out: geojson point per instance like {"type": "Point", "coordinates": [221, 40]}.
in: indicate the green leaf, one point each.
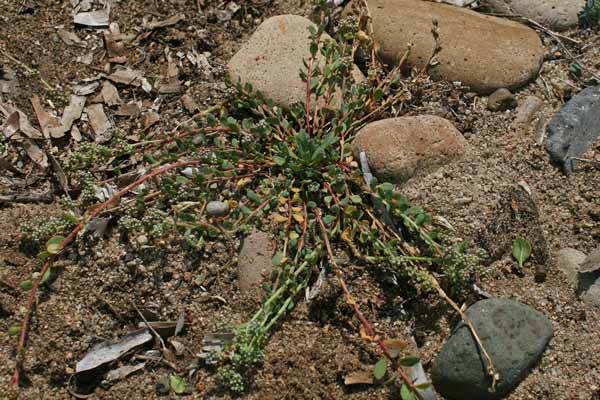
{"type": "Point", "coordinates": [178, 384]}
{"type": "Point", "coordinates": [409, 361]}
{"type": "Point", "coordinates": [254, 197]}
{"type": "Point", "coordinates": [328, 219]}
{"type": "Point", "coordinates": [14, 330]}
{"type": "Point", "coordinates": [279, 160]}
{"type": "Point", "coordinates": [26, 285]}
{"type": "Point", "coordinates": [380, 368]}
{"type": "Point", "coordinates": [356, 199]}
{"type": "Point", "coordinates": [46, 276]}
{"type": "Point", "coordinates": [43, 255]}
{"type": "Point", "coordinates": [406, 394]}
{"type": "Point", "coordinates": [54, 245]}
{"type": "Point", "coordinates": [378, 95]}
{"type": "Point", "coordinates": [521, 250]}
{"type": "Point", "coordinates": [182, 180]}
{"type": "Point", "coordinates": [277, 259]}
{"type": "Point", "coordinates": [423, 386]}
{"type": "Point", "coordinates": [71, 218]}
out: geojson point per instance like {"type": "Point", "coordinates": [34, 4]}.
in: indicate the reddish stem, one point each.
{"type": "Point", "coordinates": [369, 330]}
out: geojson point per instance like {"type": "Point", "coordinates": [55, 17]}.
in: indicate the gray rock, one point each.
{"type": "Point", "coordinates": [272, 58]}
{"type": "Point", "coordinates": [254, 262]}
{"type": "Point", "coordinates": [569, 262]}
{"type": "Point", "coordinates": [515, 337]}
{"type": "Point", "coordinates": [555, 14]}
{"type": "Point", "coordinates": [483, 52]}
{"type": "Point", "coordinates": [217, 208]}
{"type": "Point", "coordinates": [502, 99]}
{"type": "Point", "coordinates": [401, 148]}
{"type": "Point", "coordinates": [575, 128]}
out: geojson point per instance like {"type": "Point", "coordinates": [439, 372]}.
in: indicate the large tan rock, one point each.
{"type": "Point", "coordinates": [273, 57]}
{"type": "Point", "coordinates": [255, 262]}
{"type": "Point", "coordinates": [483, 52]}
{"type": "Point", "coordinates": [555, 14]}
{"type": "Point", "coordinates": [400, 148]}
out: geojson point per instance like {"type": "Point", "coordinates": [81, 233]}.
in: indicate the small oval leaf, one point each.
{"type": "Point", "coordinates": [380, 368]}
{"type": "Point", "coordinates": [54, 245]}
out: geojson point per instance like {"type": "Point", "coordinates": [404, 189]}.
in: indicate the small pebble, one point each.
{"type": "Point", "coordinates": [217, 209]}
{"type": "Point", "coordinates": [500, 100]}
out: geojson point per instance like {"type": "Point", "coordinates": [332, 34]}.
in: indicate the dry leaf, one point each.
{"type": "Point", "coordinates": [99, 122]}
{"type": "Point", "coordinates": [73, 111]}
{"type": "Point", "coordinates": [359, 378]}
{"type": "Point", "coordinates": [94, 19]}
{"type": "Point", "coordinates": [85, 89]}
{"type": "Point", "coordinates": [107, 352]}
{"type": "Point", "coordinates": [189, 103]}
{"type": "Point", "coordinates": [149, 119]}
{"type": "Point", "coordinates": [127, 76]}
{"type": "Point", "coordinates": [110, 95]}
{"type": "Point", "coordinates": [69, 38]}
{"type": "Point", "coordinates": [172, 87]}
{"type": "Point", "coordinates": [128, 110]}
{"type": "Point", "coordinates": [34, 152]}
{"type": "Point", "coordinates": [17, 123]}
{"type": "Point", "coordinates": [164, 23]}
{"type": "Point", "coordinates": [75, 134]}
{"type": "Point", "coordinates": [45, 120]}
{"type": "Point", "coordinates": [123, 372]}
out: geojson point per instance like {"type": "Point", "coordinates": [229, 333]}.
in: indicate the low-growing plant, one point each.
{"type": "Point", "coordinates": [292, 168]}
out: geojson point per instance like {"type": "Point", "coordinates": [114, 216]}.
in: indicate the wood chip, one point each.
{"type": "Point", "coordinates": [99, 122]}
{"type": "Point", "coordinates": [189, 103]}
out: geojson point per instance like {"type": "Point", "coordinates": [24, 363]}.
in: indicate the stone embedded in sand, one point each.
{"type": "Point", "coordinates": [555, 14]}
{"type": "Point", "coordinates": [483, 52]}
{"type": "Point", "coordinates": [273, 57]}
{"type": "Point", "coordinates": [575, 128]}
{"type": "Point", "coordinates": [400, 148]}
{"type": "Point", "coordinates": [569, 261]}
{"type": "Point", "coordinates": [514, 335]}
{"type": "Point", "coordinates": [515, 215]}
{"type": "Point", "coordinates": [502, 99]}
{"type": "Point", "coordinates": [254, 262]}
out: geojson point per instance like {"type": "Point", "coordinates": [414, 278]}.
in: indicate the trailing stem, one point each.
{"type": "Point", "coordinates": [368, 327]}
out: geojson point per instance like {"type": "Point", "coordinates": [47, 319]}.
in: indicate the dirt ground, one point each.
{"type": "Point", "coordinates": [309, 356]}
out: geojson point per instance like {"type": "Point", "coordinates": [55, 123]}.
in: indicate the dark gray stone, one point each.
{"type": "Point", "coordinates": [574, 128]}
{"type": "Point", "coordinates": [515, 337]}
{"type": "Point", "coordinates": [217, 208]}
